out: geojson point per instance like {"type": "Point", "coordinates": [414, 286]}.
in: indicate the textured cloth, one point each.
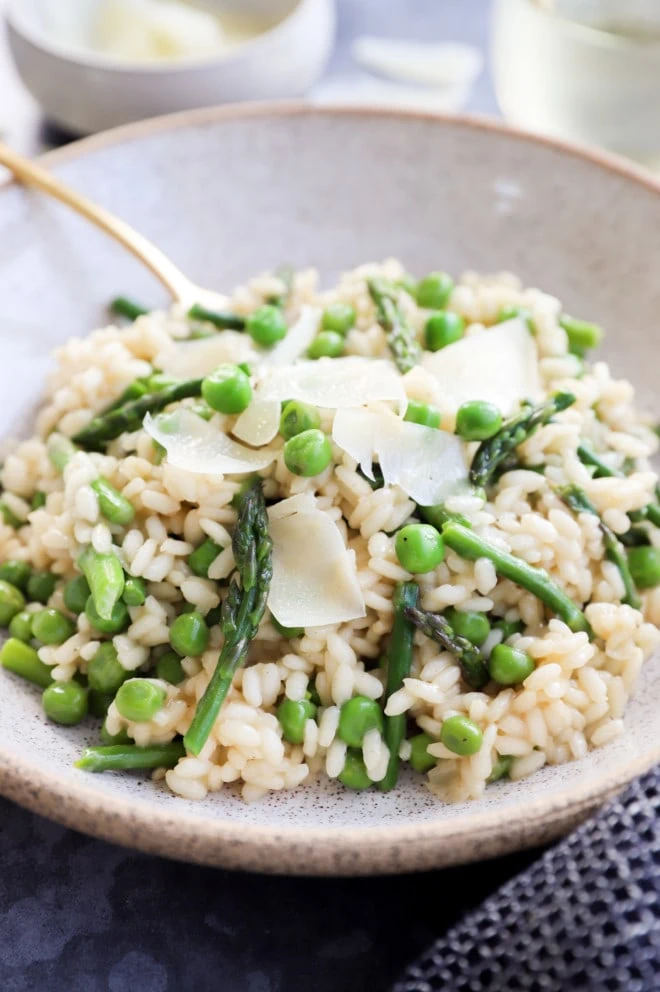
{"type": "Point", "coordinates": [585, 917]}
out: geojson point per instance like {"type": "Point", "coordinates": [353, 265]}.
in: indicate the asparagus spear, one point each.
{"type": "Point", "coordinates": [122, 306]}
{"type": "Point", "coordinates": [221, 319]}
{"type": "Point", "coordinates": [578, 501]}
{"type": "Point", "coordinates": [470, 659]}
{"type": "Point", "coordinates": [105, 577]}
{"type": "Point", "coordinates": [468, 545]}
{"type": "Point", "coordinates": [129, 417]}
{"type": "Point", "coordinates": [603, 471]}
{"type": "Point", "coordinates": [120, 757]}
{"type": "Point", "coordinates": [399, 661]}
{"type": "Point", "coordinates": [242, 610]}
{"type": "Point", "coordinates": [438, 516]}
{"type": "Point", "coordinates": [401, 336]}
{"type": "Point", "coordinates": [491, 454]}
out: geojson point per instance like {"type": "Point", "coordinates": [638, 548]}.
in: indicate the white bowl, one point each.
{"type": "Point", "coordinates": [84, 91]}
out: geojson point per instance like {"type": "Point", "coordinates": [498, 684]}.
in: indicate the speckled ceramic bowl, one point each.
{"type": "Point", "coordinates": [230, 192]}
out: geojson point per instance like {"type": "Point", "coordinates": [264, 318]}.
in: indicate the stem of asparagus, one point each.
{"type": "Point", "coordinates": [468, 545]}
{"type": "Point", "coordinates": [491, 454]}
{"type": "Point", "coordinates": [438, 516]}
{"type": "Point", "coordinates": [105, 577]}
{"type": "Point", "coordinates": [122, 306]}
{"type": "Point", "coordinates": [401, 336]}
{"type": "Point", "coordinates": [242, 610]}
{"type": "Point", "coordinates": [122, 757]}
{"type": "Point", "coordinates": [651, 512]}
{"type": "Point", "coordinates": [399, 661]}
{"type": "Point", "coordinates": [220, 319]}
{"type": "Point", "coordinates": [471, 661]}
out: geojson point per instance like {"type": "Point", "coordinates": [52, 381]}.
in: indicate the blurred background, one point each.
{"type": "Point", "coordinates": [586, 70]}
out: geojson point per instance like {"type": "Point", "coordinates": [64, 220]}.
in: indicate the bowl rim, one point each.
{"type": "Point", "coordinates": [89, 59]}
{"type": "Point", "coordinates": [296, 849]}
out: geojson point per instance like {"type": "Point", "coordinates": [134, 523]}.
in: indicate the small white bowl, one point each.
{"type": "Point", "coordinates": [84, 91]}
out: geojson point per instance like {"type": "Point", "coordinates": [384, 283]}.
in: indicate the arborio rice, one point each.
{"type": "Point", "coordinates": [575, 695]}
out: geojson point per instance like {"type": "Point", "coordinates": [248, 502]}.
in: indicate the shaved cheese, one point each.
{"type": "Point", "coordinates": [334, 382]}
{"type": "Point", "coordinates": [499, 365]}
{"type": "Point", "coordinates": [314, 574]}
{"type": "Point", "coordinates": [259, 422]}
{"type": "Point", "coordinates": [301, 503]}
{"type": "Point", "coordinates": [298, 338]}
{"type": "Point", "coordinates": [194, 359]}
{"type": "Point", "coordinates": [199, 447]}
{"type": "Point", "coordinates": [428, 464]}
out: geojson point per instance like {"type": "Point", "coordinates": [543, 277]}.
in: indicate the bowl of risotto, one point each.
{"type": "Point", "coordinates": [360, 571]}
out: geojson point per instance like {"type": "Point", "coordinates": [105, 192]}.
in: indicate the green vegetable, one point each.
{"type": "Point", "coordinates": [468, 623]}
{"type": "Point", "coordinates": [398, 665]}
{"type": "Point", "coordinates": [577, 500]}
{"type": "Point", "coordinates": [509, 666]}
{"type": "Point", "coordinates": [122, 306]}
{"type": "Point", "coordinates": [117, 622]}
{"type": "Point", "coordinates": [98, 703]}
{"type": "Point", "coordinates": [326, 344]}
{"type": "Point", "coordinates": [105, 577]}
{"type": "Point", "coordinates": [338, 317]}
{"type": "Point", "coordinates": [129, 417]}
{"type": "Point", "coordinates": [113, 506]}
{"type": "Point", "coordinates": [242, 610]}
{"type": "Point", "coordinates": [288, 632]}
{"type": "Point", "coordinates": [12, 601]}
{"type": "Point", "coordinates": [509, 628]}
{"type": "Point", "coordinates": [298, 417]}
{"type": "Point", "coordinates": [110, 739]}
{"type": "Point", "coordinates": [644, 563]}
{"type": "Point", "coordinates": [471, 662]}
{"type": "Point", "coordinates": [52, 627]}
{"type": "Point", "coordinates": [139, 700]}
{"type": "Point", "coordinates": [203, 557]}
{"type": "Point", "coordinates": [266, 326]}
{"type": "Point", "coordinates": [466, 544]}
{"type": "Point", "coordinates": [9, 516]}
{"type": "Point", "coordinates": [357, 717]}
{"type": "Point", "coordinates": [443, 328]}
{"type": "Point", "coordinates": [60, 451]}
{"type": "Point", "coordinates": [189, 635]}
{"type": "Point", "coordinates": [491, 454]}
{"type": "Point", "coordinates": [354, 774]}
{"type": "Point", "coordinates": [41, 586]}
{"type": "Point", "coordinates": [20, 626]}
{"type": "Point", "coordinates": [478, 420]}
{"type": "Point", "coordinates": [308, 453]}
{"type": "Point", "coordinates": [420, 759]}
{"type": "Point", "coordinates": [23, 660]}
{"type": "Point", "coordinates": [105, 673]}
{"type": "Point", "coordinates": [65, 703]}
{"type": "Point", "coordinates": [434, 290]}
{"type": "Point", "coordinates": [16, 573]}
{"type": "Point", "coordinates": [293, 715]}
{"type": "Point", "coordinates": [227, 389]}
{"type": "Point", "coordinates": [202, 409]}
{"type": "Point", "coordinates": [422, 413]}
{"type": "Point", "coordinates": [218, 318]}
{"type": "Point", "coordinates": [438, 516]}
{"type": "Point", "coordinates": [590, 458]}
{"type": "Point", "coordinates": [76, 594]}
{"type": "Point", "coordinates": [501, 769]}
{"type": "Point", "coordinates": [38, 500]}
{"type": "Point", "coordinates": [419, 548]}
{"type": "Point", "coordinates": [582, 335]}
{"type": "Point", "coordinates": [510, 313]}
{"type": "Point", "coordinates": [170, 669]}
{"type": "Point", "coordinates": [461, 735]}
{"type": "Point", "coordinates": [401, 336]}
{"type": "Point", "coordinates": [123, 757]}
{"type": "Point", "coordinates": [135, 591]}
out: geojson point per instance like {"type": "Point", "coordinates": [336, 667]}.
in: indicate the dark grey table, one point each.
{"type": "Point", "coordinates": [79, 915]}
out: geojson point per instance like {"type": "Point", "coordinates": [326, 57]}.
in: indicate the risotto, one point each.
{"type": "Point", "coordinates": [334, 533]}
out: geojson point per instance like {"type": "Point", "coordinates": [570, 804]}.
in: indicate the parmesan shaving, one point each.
{"type": "Point", "coordinates": [298, 338]}
{"type": "Point", "coordinates": [199, 447]}
{"type": "Point", "coordinates": [259, 422]}
{"type": "Point", "coordinates": [334, 383]}
{"type": "Point", "coordinates": [195, 359]}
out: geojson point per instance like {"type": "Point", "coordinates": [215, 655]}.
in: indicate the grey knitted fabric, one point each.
{"type": "Point", "coordinates": [585, 917]}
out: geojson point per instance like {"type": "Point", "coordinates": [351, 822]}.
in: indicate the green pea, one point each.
{"type": "Point", "coordinates": [135, 591]}
{"type": "Point", "coordinates": [41, 586]}
{"type": "Point", "coordinates": [644, 565]}
{"type": "Point", "coordinates": [419, 548]}
{"type": "Point", "coordinates": [52, 627]}
{"type": "Point", "coordinates": [9, 516]}
{"type": "Point", "coordinates": [501, 768]}
{"type": "Point", "coordinates": [76, 594]}
{"type": "Point", "coordinates": [293, 715]}
{"type": "Point", "coordinates": [118, 621]}
{"type": "Point", "coordinates": [12, 601]}
{"type": "Point", "coordinates": [338, 317]}
{"type": "Point", "coordinates": [508, 665]}
{"type": "Point", "coordinates": [434, 290]}
{"type": "Point", "coordinates": [511, 313]}
{"type": "Point", "coordinates": [38, 500]}
{"type": "Point", "coordinates": [288, 632]}
{"type": "Point", "coordinates": [99, 702]}
{"type": "Point", "coordinates": [298, 417]}
{"type": "Point", "coordinates": [326, 344]}
{"type": "Point", "coordinates": [461, 735]}
{"type": "Point", "coordinates": [16, 573]}
{"type": "Point", "coordinates": [420, 759]}
{"type": "Point", "coordinates": [266, 326]}
{"type": "Point", "coordinates": [203, 557]}
{"type": "Point", "coordinates": [509, 628]}
{"type": "Point", "coordinates": [308, 453]}
{"type": "Point", "coordinates": [422, 413]}
{"type": "Point", "coordinates": [109, 739]}
{"type": "Point", "coordinates": [65, 703]}
{"type": "Point", "coordinates": [477, 420]}
{"type": "Point", "coordinates": [139, 700]}
{"type": "Point", "coordinates": [354, 774]}
{"type": "Point", "coordinates": [582, 335]}
{"type": "Point", "coordinates": [170, 669]}
{"type": "Point", "coordinates": [443, 328]}
{"type": "Point", "coordinates": [189, 635]}
{"type": "Point", "coordinates": [356, 717]}
{"type": "Point", "coordinates": [113, 505]}
{"type": "Point", "coordinates": [227, 389]}
{"type": "Point", "coordinates": [20, 626]}
{"type": "Point", "coordinates": [105, 672]}
{"type": "Point", "coordinates": [469, 624]}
